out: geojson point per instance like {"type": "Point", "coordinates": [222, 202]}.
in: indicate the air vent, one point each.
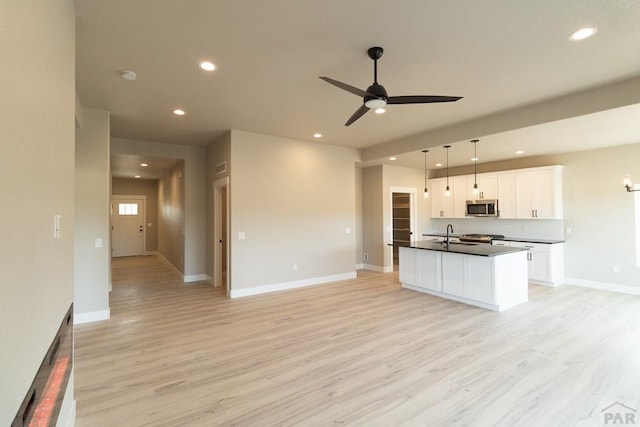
{"type": "Point", "coordinates": [221, 168]}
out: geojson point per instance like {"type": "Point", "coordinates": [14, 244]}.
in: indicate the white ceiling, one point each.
{"type": "Point", "coordinates": [499, 55]}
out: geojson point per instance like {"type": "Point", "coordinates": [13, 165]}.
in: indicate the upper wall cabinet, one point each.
{"type": "Point", "coordinates": [441, 204]}
{"type": "Point", "coordinates": [539, 193]}
{"type": "Point", "coordinates": [534, 193]}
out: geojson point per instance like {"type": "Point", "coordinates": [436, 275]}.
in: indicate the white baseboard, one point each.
{"type": "Point", "coordinates": [256, 290]}
{"type": "Point", "coordinates": [194, 278]}
{"type": "Point", "coordinates": [360, 266]}
{"type": "Point", "coordinates": [91, 316]}
{"type": "Point", "coordinates": [604, 286]}
{"type": "Point", "coordinates": [147, 253]}
{"type": "Point", "coordinates": [377, 268]}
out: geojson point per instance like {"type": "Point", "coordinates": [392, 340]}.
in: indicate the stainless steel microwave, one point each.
{"type": "Point", "coordinates": [482, 208]}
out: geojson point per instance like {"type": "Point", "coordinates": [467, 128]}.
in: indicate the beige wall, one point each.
{"type": "Point", "coordinates": [195, 196]}
{"type": "Point", "coordinates": [92, 264]}
{"type": "Point", "coordinates": [294, 201]}
{"type": "Point", "coordinates": [37, 105]}
{"type": "Point", "coordinates": [149, 189]}
{"type": "Point", "coordinates": [219, 151]}
{"type": "Point", "coordinates": [372, 217]}
{"type": "Point", "coordinates": [171, 217]}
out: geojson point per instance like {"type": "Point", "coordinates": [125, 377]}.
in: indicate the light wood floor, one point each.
{"type": "Point", "coordinates": [358, 352]}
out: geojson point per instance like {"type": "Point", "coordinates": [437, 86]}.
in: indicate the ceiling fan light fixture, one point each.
{"type": "Point", "coordinates": [380, 111]}
{"type": "Point", "coordinates": [375, 104]}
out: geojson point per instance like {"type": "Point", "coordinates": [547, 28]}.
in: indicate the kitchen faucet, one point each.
{"type": "Point", "coordinates": [446, 240]}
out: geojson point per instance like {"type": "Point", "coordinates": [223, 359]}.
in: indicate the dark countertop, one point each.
{"type": "Point", "coordinates": [506, 239]}
{"type": "Point", "coordinates": [531, 240]}
{"type": "Point", "coordinates": [479, 249]}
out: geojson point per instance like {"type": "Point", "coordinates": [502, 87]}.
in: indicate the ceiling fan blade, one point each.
{"type": "Point", "coordinates": [427, 99]}
{"type": "Point", "coordinates": [344, 86]}
{"type": "Point", "coordinates": [359, 113]}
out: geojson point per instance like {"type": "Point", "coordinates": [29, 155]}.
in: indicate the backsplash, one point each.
{"type": "Point", "coordinates": [542, 229]}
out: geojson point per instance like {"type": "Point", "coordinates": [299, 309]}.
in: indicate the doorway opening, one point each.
{"type": "Point", "coordinates": [403, 220]}
{"type": "Point", "coordinates": [221, 234]}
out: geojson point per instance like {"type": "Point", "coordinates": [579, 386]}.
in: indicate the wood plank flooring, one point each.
{"type": "Point", "coordinates": [357, 352]}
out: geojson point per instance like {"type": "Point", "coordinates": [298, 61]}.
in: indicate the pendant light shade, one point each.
{"type": "Point", "coordinates": [426, 188]}
{"type": "Point", "coordinates": [476, 191]}
{"type": "Point", "coordinates": [448, 189]}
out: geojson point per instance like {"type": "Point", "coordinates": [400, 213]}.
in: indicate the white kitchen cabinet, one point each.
{"type": "Point", "coordinates": [441, 204]}
{"type": "Point", "coordinates": [506, 195]}
{"type": "Point", "coordinates": [468, 276]}
{"type": "Point", "coordinates": [407, 267]}
{"type": "Point", "coordinates": [493, 282]}
{"type": "Point", "coordinates": [428, 265]}
{"type": "Point", "coordinates": [420, 268]}
{"type": "Point", "coordinates": [460, 195]}
{"type": "Point", "coordinates": [539, 193]}
{"type": "Point", "coordinates": [545, 262]}
{"type": "Point", "coordinates": [487, 187]}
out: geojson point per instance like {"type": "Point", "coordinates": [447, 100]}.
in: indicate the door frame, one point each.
{"type": "Point", "coordinates": [144, 218]}
{"type": "Point", "coordinates": [220, 234]}
{"type": "Point", "coordinates": [389, 228]}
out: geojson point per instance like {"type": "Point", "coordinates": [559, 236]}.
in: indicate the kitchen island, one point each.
{"type": "Point", "coordinates": [492, 277]}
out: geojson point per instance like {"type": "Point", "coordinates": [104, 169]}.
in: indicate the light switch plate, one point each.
{"type": "Point", "coordinates": [241, 235]}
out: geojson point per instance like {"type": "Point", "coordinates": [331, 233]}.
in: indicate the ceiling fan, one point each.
{"type": "Point", "coordinates": [376, 95]}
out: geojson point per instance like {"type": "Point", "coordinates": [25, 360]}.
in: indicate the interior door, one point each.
{"type": "Point", "coordinates": [127, 235]}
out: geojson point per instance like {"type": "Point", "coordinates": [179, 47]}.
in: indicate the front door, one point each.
{"type": "Point", "coordinates": [127, 221]}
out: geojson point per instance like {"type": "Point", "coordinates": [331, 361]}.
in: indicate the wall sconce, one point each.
{"type": "Point", "coordinates": [629, 185]}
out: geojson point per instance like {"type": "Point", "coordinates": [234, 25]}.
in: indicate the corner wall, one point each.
{"type": "Point", "coordinates": [92, 263]}
{"type": "Point", "coordinates": [37, 164]}
{"type": "Point", "coordinates": [171, 217]}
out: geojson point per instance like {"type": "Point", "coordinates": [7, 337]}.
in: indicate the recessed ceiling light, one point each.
{"type": "Point", "coordinates": [137, 176]}
{"type": "Point", "coordinates": [438, 165]}
{"type": "Point", "coordinates": [178, 112]}
{"type": "Point", "coordinates": [144, 165]}
{"type": "Point", "coordinates": [393, 158]}
{"type": "Point", "coordinates": [583, 33]}
{"type": "Point", "coordinates": [207, 66]}
{"type": "Point", "coordinates": [317, 135]}
{"type": "Point", "coordinates": [520, 152]}
{"type": "Point", "coordinates": [380, 110]}
{"type": "Point", "coordinates": [128, 74]}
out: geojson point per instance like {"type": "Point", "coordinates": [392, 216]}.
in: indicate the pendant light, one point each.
{"type": "Point", "coordinates": [426, 189]}
{"type": "Point", "coordinates": [447, 190]}
{"type": "Point", "coordinates": [476, 191]}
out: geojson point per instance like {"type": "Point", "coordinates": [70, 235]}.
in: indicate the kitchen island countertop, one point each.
{"type": "Point", "coordinates": [478, 249]}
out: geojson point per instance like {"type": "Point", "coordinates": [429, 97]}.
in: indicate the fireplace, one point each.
{"type": "Point", "coordinates": [41, 406]}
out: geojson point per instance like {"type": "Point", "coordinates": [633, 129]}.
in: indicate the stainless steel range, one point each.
{"type": "Point", "coordinates": [480, 238]}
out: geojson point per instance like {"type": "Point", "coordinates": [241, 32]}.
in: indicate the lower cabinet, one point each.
{"type": "Point", "coordinates": [420, 268]}
{"type": "Point", "coordinates": [545, 262]}
{"type": "Point", "coordinates": [496, 282]}
{"type": "Point", "coordinates": [468, 276]}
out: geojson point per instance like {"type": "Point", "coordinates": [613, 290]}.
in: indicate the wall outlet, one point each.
{"type": "Point", "coordinates": [568, 231]}
{"type": "Point", "coordinates": [348, 230]}
{"type": "Point", "coordinates": [295, 267]}
{"type": "Point", "coordinates": [366, 257]}
{"type": "Point", "coordinates": [241, 235]}
{"type": "Point", "coordinates": [97, 243]}
{"type": "Point", "coordinates": [616, 269]}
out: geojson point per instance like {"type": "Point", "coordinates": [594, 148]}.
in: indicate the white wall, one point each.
{"type": "Point", "coordinates": [195, 196]}
{"type": "Point", "coordinates": [372, 218]}
{"type": "Point", "coordinates": [92, 264]}
{"type": "Point", "coordinates": [294, 201]}
{"type": "Point", "coordinates": [37, 106]}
